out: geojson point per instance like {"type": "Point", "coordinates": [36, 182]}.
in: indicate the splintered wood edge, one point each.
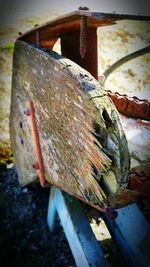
{"type": "Point", "coordinates": [87, 75]}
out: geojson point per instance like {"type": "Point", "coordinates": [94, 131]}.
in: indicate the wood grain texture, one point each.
{"type": "Point", "coordinates": [84, 149]}
{"type": "Point", "coordinates": [71, 22]}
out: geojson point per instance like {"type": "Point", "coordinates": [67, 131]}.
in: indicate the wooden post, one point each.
{"type": "Point", "coordinates": [82, 241]}
{"type": "Point", "coordinates": [70, 49]}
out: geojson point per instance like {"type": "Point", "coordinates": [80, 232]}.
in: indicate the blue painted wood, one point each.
{"type": "Point", "coordinates": [82, 241]}
{"type": "Point", "coordinates": [131, 232]}
{"type": "Point", "coordinates": [52, 212]}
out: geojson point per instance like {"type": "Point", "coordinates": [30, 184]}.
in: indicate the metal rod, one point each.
{"type": "Point", "coordinates": [36, 143]}
{"type": "Point", "coordinates": [125, 59]}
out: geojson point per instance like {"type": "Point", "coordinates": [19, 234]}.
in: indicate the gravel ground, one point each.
{"type": "Point", "coordinates": [24, 236]}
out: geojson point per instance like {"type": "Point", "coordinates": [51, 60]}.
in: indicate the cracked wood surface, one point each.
{"type": "Point", "coordinates": [84, 149]}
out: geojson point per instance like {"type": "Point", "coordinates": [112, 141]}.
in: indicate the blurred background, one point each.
{"type": "Point", "coordinates": [24, 236]}
{"type": "Point", "coordinates": [114, 42]}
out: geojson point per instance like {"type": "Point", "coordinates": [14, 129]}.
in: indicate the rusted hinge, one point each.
{"type": "Point", "coordinates": [38, 165]}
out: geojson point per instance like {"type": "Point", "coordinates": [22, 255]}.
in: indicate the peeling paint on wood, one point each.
{"type": "Point", "coordinates": [84, 149]}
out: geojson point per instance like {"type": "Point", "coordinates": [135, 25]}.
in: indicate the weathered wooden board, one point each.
{"type": "Point", "coordinates": [108, 15]}
{"type": "Point", "coordinates": [84, 149]}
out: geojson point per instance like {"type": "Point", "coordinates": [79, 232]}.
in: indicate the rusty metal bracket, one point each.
{"type": "Point", "coordinates": [140, 183]}
{"type": "Point", "coordinates": [38, 165]}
